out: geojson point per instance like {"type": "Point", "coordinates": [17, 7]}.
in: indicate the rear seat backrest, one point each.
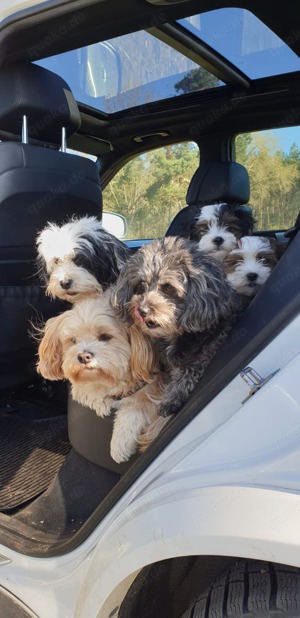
{"type": "Point", "coordinates": [212, 183]}
{"type": "Point", "coordinates": [38, 183]}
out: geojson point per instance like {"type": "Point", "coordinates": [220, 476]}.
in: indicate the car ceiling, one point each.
{"type": "Point", "coordinates": [104, 19]}
{"type": "Point", "coordinates": [262, 103]}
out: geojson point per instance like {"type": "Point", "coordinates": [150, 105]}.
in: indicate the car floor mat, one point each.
{"type": "Point", "coordinates": [31, 453]}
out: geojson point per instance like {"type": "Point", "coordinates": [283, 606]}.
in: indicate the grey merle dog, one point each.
{"type": "Point", "coordinates": [179, 297]}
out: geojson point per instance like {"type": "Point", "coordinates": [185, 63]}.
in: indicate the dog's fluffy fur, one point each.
{"type": "Point", "coordinates": [249, 265]}
{"type": "Point", "coordinates": [179, 297]}
{"type": "Point", "coordinates": [79, 258]}
{"type": "Point", "coordinates": [109, 366]}
{"type": "Point", "coordinates": [219, 226]}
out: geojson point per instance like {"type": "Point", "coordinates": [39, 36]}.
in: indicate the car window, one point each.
{"type": "Point", "coordinates": [242, 38]}
{"type": "Point", "coordinates": [112, 76]}
{"type": "Point", "coordinates": [272, 159]}
{"type": "Point", "coordinates": [150, 189]}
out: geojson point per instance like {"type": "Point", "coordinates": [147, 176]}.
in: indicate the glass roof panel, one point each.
{"type": "Point", "coordinates": [134, 69]}
{"type": "Point", "coordinates": [244, 40]}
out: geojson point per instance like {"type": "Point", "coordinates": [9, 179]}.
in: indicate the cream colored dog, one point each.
{"type": "Point", "coordinates": [109, 365]}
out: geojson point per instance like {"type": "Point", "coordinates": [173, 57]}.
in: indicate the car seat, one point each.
{"type": "Point", "coordinates": [212, 183]}
{"type": "Point", "coordinates": [39, 183]}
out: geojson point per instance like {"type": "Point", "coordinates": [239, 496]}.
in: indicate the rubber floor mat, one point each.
{"type": "Point", "coordinates": [31, 453]}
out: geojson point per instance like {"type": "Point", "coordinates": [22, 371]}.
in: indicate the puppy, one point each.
{"type": "Point", "coordinates": [79, 258]}
{"type": "Point", "coordinates": [108, 365]}
{"type": "Point", "coordinates": [179, 297]}
{"type": "Point", "coordinates": [249, 265]}
{"type": "Point", "coordinates": [219, 226]}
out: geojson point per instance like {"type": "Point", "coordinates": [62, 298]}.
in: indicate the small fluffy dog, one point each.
{"type": "Point", "coordinates": [179, 297]}
{"type": "Point", "coordinates": [249, 265]}
{"type": "Point", "coordinates": [219, 226]}
{"type": "Point", "coordinates": [110, 367]}
{"type": "Point", "coordinates": [79, 259]}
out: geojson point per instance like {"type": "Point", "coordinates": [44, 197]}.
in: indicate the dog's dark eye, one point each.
{"type": "Point", "coordinates": [140, 288]}
{"type": "Point", "coordinates": [104, 337]}
{"type": "Point", "coordinates": [263, 259]}
{"type": "Point", "coordinates": [74, 340]}
{"type": "Point", "coordinates": [269, 259]}
{"type": "Point", "coordinates": [168, 289]}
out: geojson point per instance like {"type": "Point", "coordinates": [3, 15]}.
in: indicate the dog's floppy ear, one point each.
{"type": "Point", "coordinates": [246, 219]}
{"type": "Point", "coordinates": [41, 269]}
{"type": "Point", "coordinates": [278, 247]}
{"type": "Point", "coordinates": [209, 298]}
{"type": "Point", "coordinates": [106, 255]}
{"type": "Point", "coordinates": [121, 293]}
{"type": "Point", "coordinates": [50, 350]}
{"type": "Point", "coordinates": [142, 355]}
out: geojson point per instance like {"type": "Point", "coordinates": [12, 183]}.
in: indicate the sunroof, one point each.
{"type": "Point", "coordinates": [242, 38]}
{"type": "Point", "coordinates": [139, 68]}
{"type": "Point", "coordinates": [134, 69]}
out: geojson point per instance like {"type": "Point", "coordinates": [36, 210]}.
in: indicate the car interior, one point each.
{"type": "Point", "coordinates": [57, 477]}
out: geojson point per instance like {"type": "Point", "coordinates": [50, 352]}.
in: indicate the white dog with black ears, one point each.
{"type": "Point", "coordinates": [79, 259]}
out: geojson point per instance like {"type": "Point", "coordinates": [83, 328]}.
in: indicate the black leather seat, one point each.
{"type": "Point", "coordinates": [222, 181]}
{"type": "Point", "coordinates": [38, 183]}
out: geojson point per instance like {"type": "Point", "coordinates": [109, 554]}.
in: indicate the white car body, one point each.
{"type": "Point", "coordinates": [231, 478]}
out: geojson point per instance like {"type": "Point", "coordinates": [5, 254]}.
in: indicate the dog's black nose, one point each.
{"type": "Point", "coordinates": [252, 276]}
{"type": "Point", "coordinates": [65, 285]}
{"type": "Point", "coordinates": [218, 240]}
{"type": "Point", "coordinates": [143, 311]}
{"type": "Point", "coordinates": [85, 357]}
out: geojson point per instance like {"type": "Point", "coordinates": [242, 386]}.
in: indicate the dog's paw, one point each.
{"type": "Point", "coordinates": [123, 444]}
{"type": "Point", "coordinates": [102, 409]}
{"type": "Point", "coordinates": [121, 452]}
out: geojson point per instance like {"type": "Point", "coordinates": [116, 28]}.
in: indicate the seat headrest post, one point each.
{"type": "Point", "coordinates": [25, 129]}
{"type": "Point", "coordinates": [44, 97]}
{"type": "Point", "coordinates": [63, 140]}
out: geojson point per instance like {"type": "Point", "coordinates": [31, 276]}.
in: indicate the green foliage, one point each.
{"type": "Point", "coordinates": [151, 188]}
{"type": "Point", "coordinates": [195, 80]}
{"type": "Point", "coordinates": [274, 180]}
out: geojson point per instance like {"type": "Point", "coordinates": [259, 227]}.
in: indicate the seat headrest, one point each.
{"type": "Point", "coordinates": [223, 181]}
{"type": "Point", "coordinates": [44, 97]}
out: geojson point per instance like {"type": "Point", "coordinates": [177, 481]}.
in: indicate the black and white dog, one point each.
{"type": "Point", "coordinates": [219, 226]}
{"type": "Point", "coordinates": [79, 258]}
{"type": "Point", "coordinates": [249, 265]}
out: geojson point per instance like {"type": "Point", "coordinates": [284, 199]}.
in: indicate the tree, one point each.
{"type": "Point", "coordinates": [195, 80]}
{"type": "Point", "coordinates": [152, 188]}
{"type": "Point", "coordinates": [274, 180]}
{"type": "Point", "coordinates": [294, 153]}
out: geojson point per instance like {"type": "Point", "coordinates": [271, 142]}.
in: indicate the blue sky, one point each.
{"type": "Point", "coordinates": [286, 137]}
